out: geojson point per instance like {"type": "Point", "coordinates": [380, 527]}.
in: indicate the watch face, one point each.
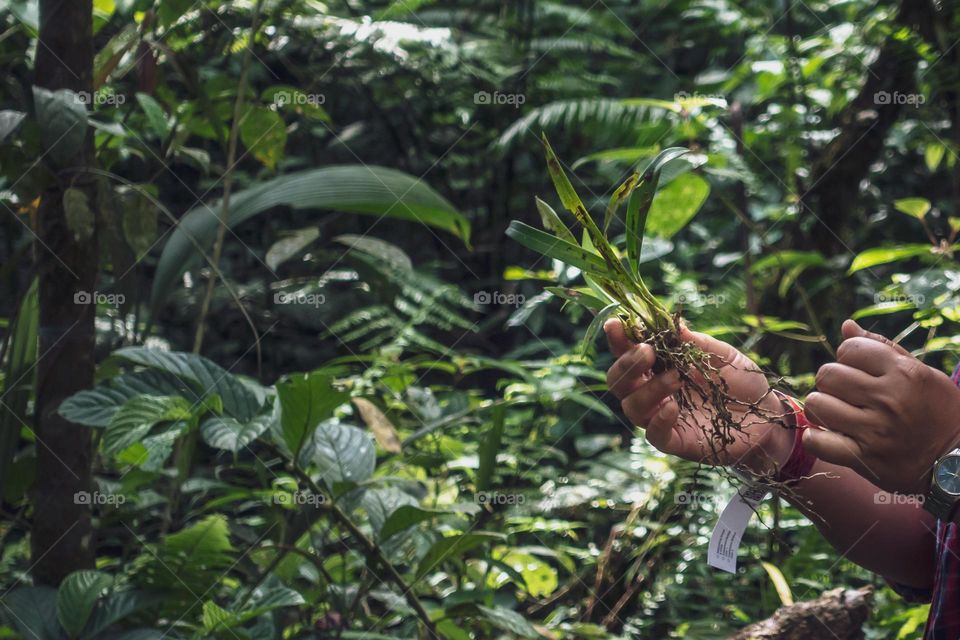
{"type": "Point", "coordinates": [948, 475]}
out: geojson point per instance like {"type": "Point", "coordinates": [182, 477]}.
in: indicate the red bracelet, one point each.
{"type": "Point", "coordinates": [801, 461]}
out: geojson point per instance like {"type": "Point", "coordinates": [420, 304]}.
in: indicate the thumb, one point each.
{"type": "Point", "coordinates": [616, 337]}
{"type": "Point", "coordinates": [721, 353]}
{"type": "Point", "coordinates": [851, 329]}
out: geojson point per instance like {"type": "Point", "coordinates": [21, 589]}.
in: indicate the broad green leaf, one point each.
{"type": "Point", "coordinates": [223, 432]}
{"type": "Point", "coordinates": [138, 416]}
{"type": "Point", "coordinates": [453, 548]}
{"type": "Point", "coordinates": [509, 620]}
{"type": "Point", "coordinates": [62, 119]}
{"type": "Point", "coordinates": [916, 207]}
{"type": "Point", "coordinates": [379, 249]}
{"type": "Point", "coordinates": [9, 122]}
{"type": "Point", "coordinates": [33, 612]}
{"type": "Point", "coordinates": [553, 247]}
{"type": "Point", "coordinates": [96, 407]}
{"type": "Point", "coordinates": [933, 155]}
{"type": "Point", "coordinates": [157, 121]}
{"type": "Point", "coordinates": [117, 606]}
{"type": "Point", "coordinates": [341, 453]}
{"type": "Point", "coordinates": [676, 204]}
{"type": "Point", "coordinates": [368, 190]}
{"type": "Point", "coordinates": [405, 516]}
{"type": "Point", "coordinates": [380, 504]}
{"type": "Point", "coordinates": [264, 134]}
{"type": "Point", "coordinates": [539, 578]}
{"type": "Point", "coordinates": [306, 400]}
{"type": "Point", "coordinates": [240, 401]}
{"type": "Point", "coordinates": [884, 255]}
{"type": "Point", "coordinates": [196, 556]}
{"type": "Point", "coordinates": [288, 247]}
{"type": "Point", "coordinates": [76, 210]}
{"type": "Point", "coordinates": [76, 598]}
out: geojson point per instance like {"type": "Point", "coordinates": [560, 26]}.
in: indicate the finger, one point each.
{"type": "Point", "coordinates": [836, 448]}
{"type": "Point", "coordinates": [641, 404]}
{"type": "Point", "coordinates": [627, 373]}
{"type": "Point", "coordinates": [846, 383]}
{"type": "Point", "coordinates": [866, 355]}
{"type": "Point", "coordinates": [851, 329]}
{"type": "Point", "coordinates": [833, 413]}
{"type": "Point", "coordinates": [660, 429]}
{"type": "Point", "coordinates": [617, 338]}
{"type": "Point", "coordinates": [721, 353]}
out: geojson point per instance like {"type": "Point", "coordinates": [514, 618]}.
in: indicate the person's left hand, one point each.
{"type": "Point", "coordinates": [889, 416]}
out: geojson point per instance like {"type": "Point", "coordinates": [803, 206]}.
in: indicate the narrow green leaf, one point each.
{"type": "Point", "coordinates": [883, 255]}
{"type": "Point", "coordinates": [916, 207]}
{"type": "Point", "coordinates": [557, 248]}
{"type": "Point", "coordinates": [553, 223]}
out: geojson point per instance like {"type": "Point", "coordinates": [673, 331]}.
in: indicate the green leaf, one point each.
{"type": "Point", "coordinates": [916, 207]}
{"type": "Point", "coordinates": [933, 155]}
{"type": "Point", "coordinates": [80, 219]}
{"type": "Point", "coordinates": [286, 248]}
{"type": "Point", "coordinates": [9, 122]}
{"type": "Point", "coordinates": [380, 504]}
{"type": "Point", "coordinates": [452, 548]}
{"type": "Point", "coordinates": [240, 401]}
{"type": "Point", "coordinates": [223, 432]}
{"type": "Point", "coordinates": [62, 119]}
{"type": "Point", "coordinates": [33, 612]}
{"type": "Point", "coordinates": [17, 385]}
{"type": "Point", "coordinates": [342, 453]}
{"type": "Point", "coordinates": [596, 326]}
{"type": "Point", "coordinates": [264, 134]}
{"type": "Point", "coordinates": [76, 598]}
{"type": "Point", "coordinates": [582, 295]}
{"type": "Point", "coordinates": [138, 416]}
{"type": "Point", "coordinates": [676, 204]}
{"type": "Point", "coordinates": [882, 309]}
{"type": "Point", "coordinates": [405, 516]}
{"type": "Point", "coordinates": [196, 556]}
{"type": "Point", "coordinates": [157, 121]}
{"type": "Point", "coordinates": [96, 407]}
{"type": "Point", "coordinates": [641, 202]}
{"type": "Point", "coordinates": [620, 154]}
{"type": "Point", "coordinates": [368, 190]}
{"type": "Point", "coordinates": [509, 620]}
{"type": "Point", "coordinates": [883, 255]}
{"type": "Point", "coordinates": [553, 247]}
{"type": "Point", "coordinates": [552, 223]}
{"type": "Point", "coordinates": [306, 400]}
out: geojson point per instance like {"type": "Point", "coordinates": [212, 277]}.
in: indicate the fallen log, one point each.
{"type": "Point", "coordinates": [838, 614]}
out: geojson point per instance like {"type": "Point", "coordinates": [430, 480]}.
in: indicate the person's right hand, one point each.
{"type": "Point", "coordinates": [647, 400]}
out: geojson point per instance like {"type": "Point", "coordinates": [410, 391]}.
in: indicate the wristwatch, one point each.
{"type": "Point", "coordinates": [944, 492]}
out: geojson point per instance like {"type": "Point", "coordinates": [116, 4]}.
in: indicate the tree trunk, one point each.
{"type": "Point", "coordinates": [61, 534]}
{"type": "Point", "coordinates": [836, 615]}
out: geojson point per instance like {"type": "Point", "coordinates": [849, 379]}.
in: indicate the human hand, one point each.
{"type": "Point", "coordinates": [889, 416]}
{"type": "Point", "coordinates": [647, 400]}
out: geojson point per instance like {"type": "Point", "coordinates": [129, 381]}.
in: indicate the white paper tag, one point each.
{"type": "Point", "coordinates": [725, 541]}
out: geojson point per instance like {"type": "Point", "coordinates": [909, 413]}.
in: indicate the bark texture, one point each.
{"type": "Point", "coordinates": [836, 615]}
{"type": "Point", "coordinates": [61, 533]}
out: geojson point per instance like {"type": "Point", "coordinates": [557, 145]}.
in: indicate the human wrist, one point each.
{"type": "Point", "coordinates": [774, 447]}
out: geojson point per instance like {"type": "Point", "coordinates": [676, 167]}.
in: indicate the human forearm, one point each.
{"type": "Point", "coordinates": [891, 537]}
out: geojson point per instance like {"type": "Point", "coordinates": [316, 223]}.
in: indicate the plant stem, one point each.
{"type": "Point", "coordinates": [228, 175]}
